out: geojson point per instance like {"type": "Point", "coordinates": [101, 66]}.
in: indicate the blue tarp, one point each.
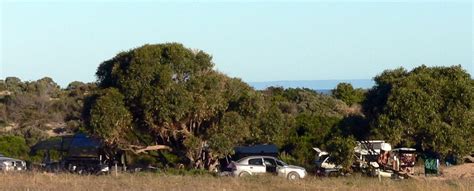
{"type": "Point", "coordinates": [78, 145]}
{"type": "Point", "coordinates": [264, 150]}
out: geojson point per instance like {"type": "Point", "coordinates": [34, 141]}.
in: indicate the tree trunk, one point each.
{"type": "Point", "coordinates": [140, 149]}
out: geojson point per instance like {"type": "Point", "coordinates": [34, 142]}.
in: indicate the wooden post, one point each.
{"type": "Point", "coordinates": [116, 169]}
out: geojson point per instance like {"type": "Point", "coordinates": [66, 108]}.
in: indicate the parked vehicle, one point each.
{"type": "Point", "coordinates": [11, 164]}
{"type": "Point", "coordinates": [254, 165]}
{"type": "Point", "coordinates": [324, 164]}
{"type": "Point", "coordinates": [245, 151]}
{"type": "Point", "coordinates": [365, 153]}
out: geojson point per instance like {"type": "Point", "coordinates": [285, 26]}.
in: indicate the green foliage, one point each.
{"type": "Point", "coordinates": [293, 101]}
{"type": "Point", "coordinates": [287, 158]}
{"type": "Point", "coordinates": [273, 127]}
{"type": "Point", "coordinates": [310, 130]}
{"type": "Point", "coordinates": [169, 94]}
{"type": "Point", "coordinates": [14, 146]}
{"type": "Point", "coordinates": [227, 134]}
{"type": "Point", "coordinates": [427, 108]}
{"type": "Point", "coordinates": [342, 150]}
{"type": "Point", "coordinates": [109, 118]}
{"type": "Point", "coordinates": [303, 118]}
{"type": "Point", "coordinates": [347, 93]}
{"type": "Point", "coordinates": [31, 135]}
{"type": "Point", "coordinates": [38, 109]}
{"type": "Point", "coordinates": [176, 99]}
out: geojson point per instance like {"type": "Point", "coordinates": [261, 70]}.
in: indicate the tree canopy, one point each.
{"type": "Point", "coordinates": [175, 98]}
{"type": "Point", "coordinates": [347, 93]}
{"type": "Point", "coordinates": [167, 96]}
{"type": "Point", "coordinates": [430, 108]}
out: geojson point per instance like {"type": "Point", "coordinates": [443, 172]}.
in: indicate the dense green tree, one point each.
{"type": "Point", "coordinates": [310, 130]}
{"type": "Point", "coordinates": [306, 119]}
{"type": "Point", "coordinates": [13, 146]}
{"type": "Point", "coordinates": [341, 150]}
{"type": "Point", "coordinates": [230, 131]}
{"type": "Point", "coordinates": [274, 127]}
{"type": "Point", "coordinates": [430, 108]}
{"type": "Point", "coordinates": [347, 93]}
{"type": "Point", "coordinates": [176, 99]}
{"type": "Point", "coordinates": [109, 118]}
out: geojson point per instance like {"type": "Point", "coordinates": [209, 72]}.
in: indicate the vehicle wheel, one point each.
{"type": "Point", "coordinates": [293, 176]}
{"type": "Point", "coordinates": [243, 174]}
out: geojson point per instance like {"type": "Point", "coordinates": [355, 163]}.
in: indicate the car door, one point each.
{"type": "Point", "coordinates": [281, 170]}
{"type": "Point", "coordinates": [256, 165]}
{"type": "Point", "coordinates": [270, 165]}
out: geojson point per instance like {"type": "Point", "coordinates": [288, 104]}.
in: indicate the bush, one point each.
{"type": "Point", "coordinates": [342, 151]}
{"type": "Point", "coordinates": [14, 146]}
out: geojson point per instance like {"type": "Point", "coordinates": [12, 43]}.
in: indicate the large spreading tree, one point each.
{"type": "Point", "coordinates": [430, 108]}
{"type": "Point", "coordinates": [175, 99]}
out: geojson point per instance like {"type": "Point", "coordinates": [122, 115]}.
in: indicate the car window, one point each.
{"type": "Point", "coordinates": [269, 162]}
{"type": "Point", "coordinates": [281, 163]}
{"type": "Point", "coordinates": [255, 161]}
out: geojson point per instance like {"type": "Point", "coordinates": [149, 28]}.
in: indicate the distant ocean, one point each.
{"type": "Point", "coordinates": [322, 86]}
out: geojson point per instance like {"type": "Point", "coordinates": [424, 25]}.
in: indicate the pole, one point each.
{"type": "Point", "coordinates": [116, 169]}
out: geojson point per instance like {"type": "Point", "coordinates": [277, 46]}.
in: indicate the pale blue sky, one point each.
{"type": "Point", "coordinates": [264, 41]}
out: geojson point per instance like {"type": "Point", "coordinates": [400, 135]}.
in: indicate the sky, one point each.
{"type": "Point", "coordinates": [253, 40]}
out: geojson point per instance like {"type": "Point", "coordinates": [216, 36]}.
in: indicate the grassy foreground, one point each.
{"type": "Point", "coordinates": [150, 181]}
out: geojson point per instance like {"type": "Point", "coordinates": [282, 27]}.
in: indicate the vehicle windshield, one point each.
{"type": "Point", "coordinates": [281, 163]}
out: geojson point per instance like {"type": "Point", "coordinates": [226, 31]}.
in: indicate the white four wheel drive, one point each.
{"type": "Point", "coordinates": [254, 165]}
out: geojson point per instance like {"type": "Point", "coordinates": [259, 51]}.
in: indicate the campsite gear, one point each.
{"type": "Point", "coordinates": [431, 166]}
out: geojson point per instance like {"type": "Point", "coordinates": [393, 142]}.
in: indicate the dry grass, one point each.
{"type": "Point", "coordinates": [150, 181]}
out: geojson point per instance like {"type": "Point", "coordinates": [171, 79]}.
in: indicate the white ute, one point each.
{"type": "Point", "coordinates": [254, 165]}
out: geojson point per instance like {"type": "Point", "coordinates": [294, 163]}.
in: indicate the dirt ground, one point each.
{"type": "Point", "coordinates": [452, 173]}
{"type": "Point", "coordinates": [458, 172]}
